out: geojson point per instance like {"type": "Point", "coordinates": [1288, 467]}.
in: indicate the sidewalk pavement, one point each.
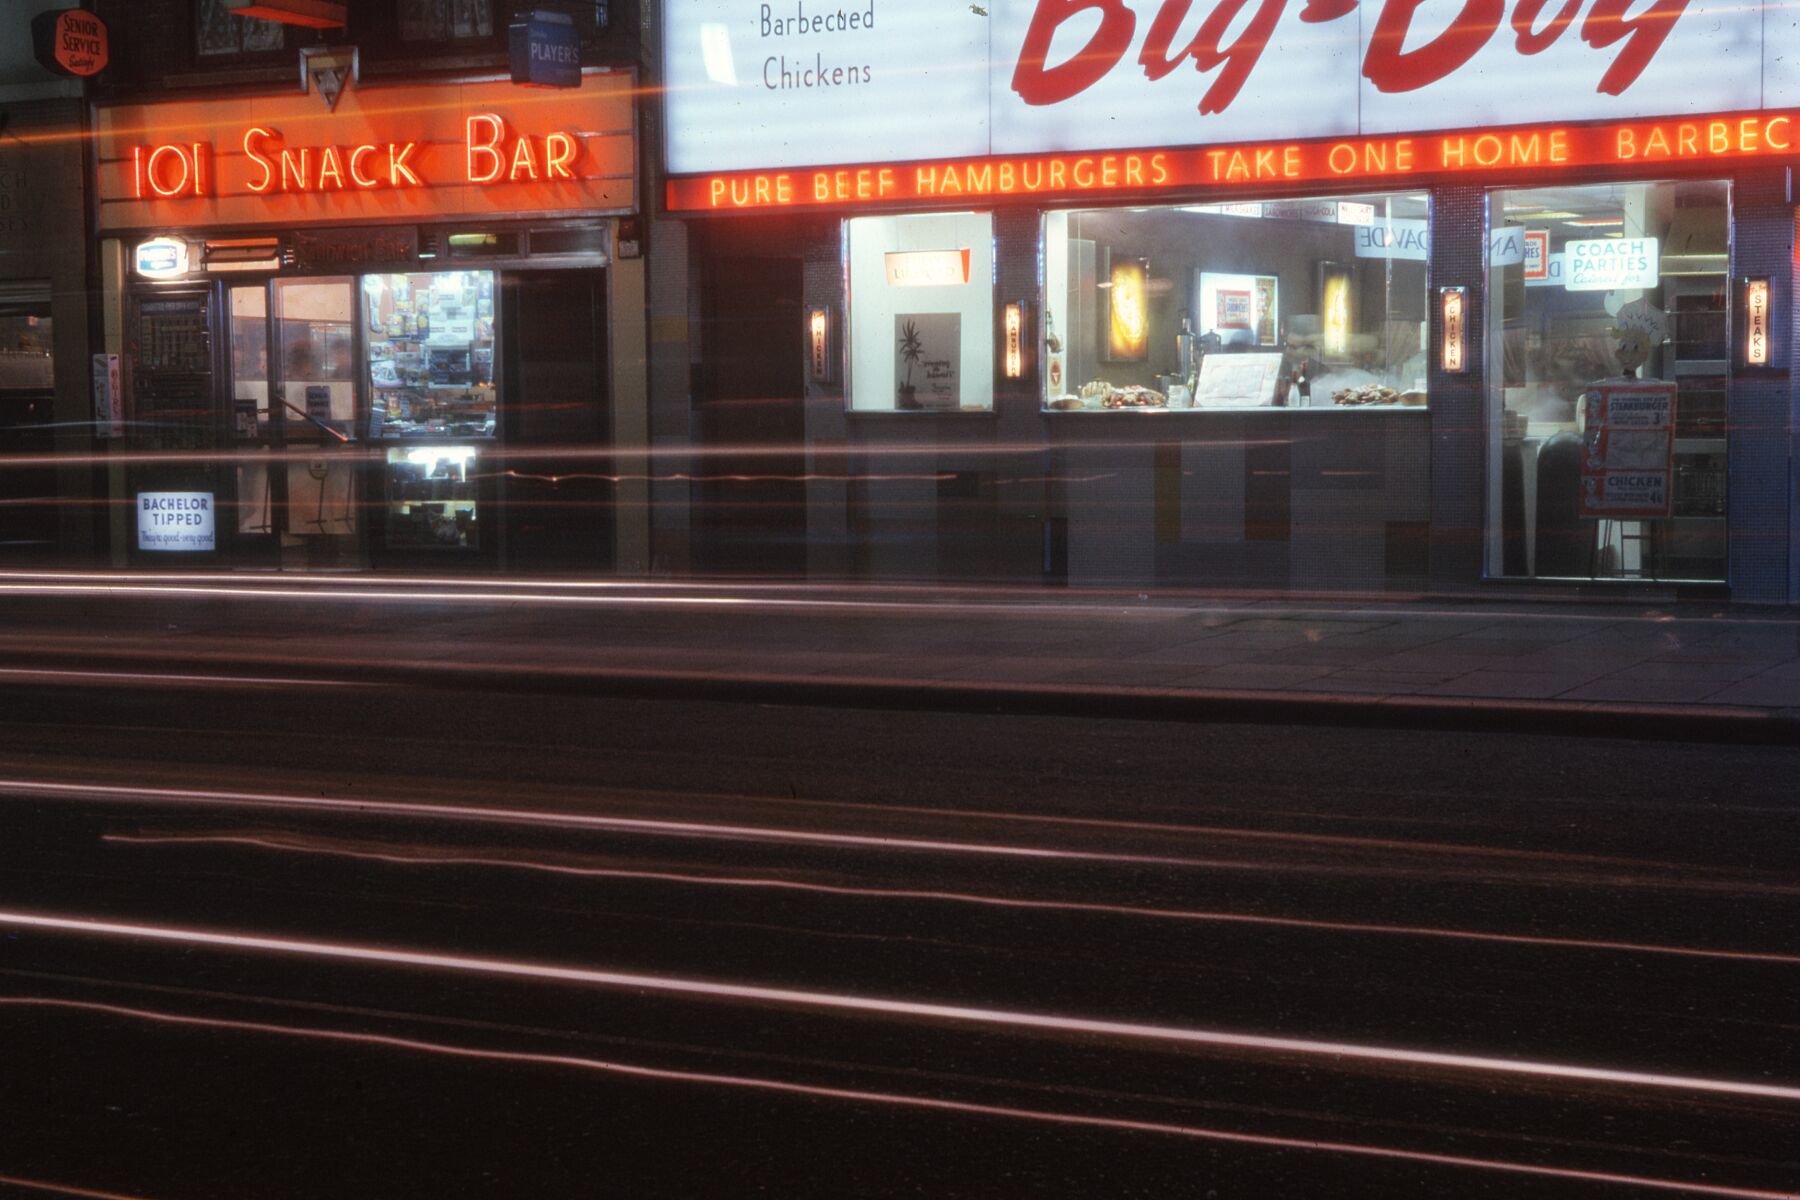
{"type": "Point", "coordinates": [1694, 670]}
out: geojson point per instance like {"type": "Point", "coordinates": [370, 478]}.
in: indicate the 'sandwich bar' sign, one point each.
{"type": "Point", "coordinates": [770, 86]}
{"type": "Point", "coordinates": [384, 153]}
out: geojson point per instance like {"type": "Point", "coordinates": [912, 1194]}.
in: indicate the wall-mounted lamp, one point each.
{"type": "Point", "coordinates": [818, 345]}
{"type": "Point", "coordinates": [1757, 324]}
{"type": "Point", "coordinates": [1012, 325]}
{"type": "Point", "coordinates": [1453, 340]}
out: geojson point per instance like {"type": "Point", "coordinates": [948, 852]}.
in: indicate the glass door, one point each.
{"type": "Point", "coordinates": [314, 418]}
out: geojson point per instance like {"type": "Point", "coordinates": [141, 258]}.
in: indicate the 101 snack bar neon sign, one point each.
{"type": "Point", "coordinates": [490, 153]}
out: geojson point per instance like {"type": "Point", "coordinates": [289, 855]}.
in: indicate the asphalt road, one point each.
{"type": "Point", "coordinates": [303, 939]}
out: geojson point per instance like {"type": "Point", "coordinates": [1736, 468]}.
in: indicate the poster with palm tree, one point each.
{"type": "Point", "coordinates": [927, 360]}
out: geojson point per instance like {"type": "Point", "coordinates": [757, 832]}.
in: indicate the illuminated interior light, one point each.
{"type": "Point", "coordinates": [1756, 322]}
{"type": "Point", "coordinates": [818, 333]}
{"type": "Point", "coordinates": [1013, 324]}
{"type": "Point", "coordinates": [1455, 333]}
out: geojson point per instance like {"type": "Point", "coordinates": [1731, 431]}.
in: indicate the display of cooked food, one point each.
{"type": "Point", "coordinates": [1133, 396]}
{"type": "Point", "coordinates": [1065, 403]}
{"type": "Point", "coordinates": [1374, 393]}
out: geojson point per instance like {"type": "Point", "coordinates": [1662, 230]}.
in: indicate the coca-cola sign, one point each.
{"type": "Point", "coordinates": [774, 83]}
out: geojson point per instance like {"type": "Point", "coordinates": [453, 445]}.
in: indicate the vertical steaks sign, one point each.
{"type": "Point", "coordinates": [756, 84]}
{"type": "Point", "coordinates": [464, 149]}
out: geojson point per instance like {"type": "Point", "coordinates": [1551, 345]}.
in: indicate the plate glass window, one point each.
{"type": "Point", "coordinates": [1297, 303]}
{"type": "Point", "coordinates": [1608, 359]}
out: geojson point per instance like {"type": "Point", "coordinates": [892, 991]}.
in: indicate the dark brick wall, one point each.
{"type": "Point", "coordinates": [1458, 403]}
{"type": "Point", "coordinates": [1759, 416]}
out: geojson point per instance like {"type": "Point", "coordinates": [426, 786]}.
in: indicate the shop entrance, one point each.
{"type": "Point", "coordinates": [750, 499]}
{"type": "Point", "coordinates": [293, 368]}
{"type": "Point", "coordinates": [559, 500]}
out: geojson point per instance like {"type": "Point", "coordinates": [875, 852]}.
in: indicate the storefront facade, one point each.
{"type": "Point", "coordinates": [1322, 297]}
{"type": "Point", "coordinates": [372, 330]}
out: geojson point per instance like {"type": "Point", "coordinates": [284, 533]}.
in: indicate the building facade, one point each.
{"type": "Point", "coordinates": [376, 305]}
{"type": "Point", "coordinates": [1334, 297]}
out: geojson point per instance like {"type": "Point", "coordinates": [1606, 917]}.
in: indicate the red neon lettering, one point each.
{"type": "Point", "coordinates": [397, 168]}
{"type": "Point", "coordinates": [1531, 39]}
{"type": "Point", "coordinates": [1039, 84]}
{"type": "Point", "coordinates": [717, 189]}
{"type": "Point", "coordinates": [331, 171]}
{"type": "Point", "coordinates": [137, 171]}
{"type": "Point", "coordinates": [180, 185]}
{"type": "Point", "coordinates": [267, 167]}
{"type": "Point", "coordinates": [199, 150]}
{"type": "Point", "coordinates": [356, 173]}
{"type": "Point", "coordinates": [1393, 68]}
{"type": "Point", "coordinates": [483, 151]}
{"type": "Point", "coordinates": [559, 152]}
{"type": "Point", "coordinates": [295, 162]}
{"type": "Point", "coordinates": [1643, 36]}
{"type": "Point", "coordinates": [524, 161]}
{"type": "Point", "coordinates": [1208, 49]}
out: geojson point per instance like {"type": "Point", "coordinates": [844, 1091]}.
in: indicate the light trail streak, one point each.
{"type": "Point", "coordinates": [651, 827]}
{"type": "Point", "coordinates": [149, 677]}
{"type": "Point", "coordinates": [1342, 607]}
{"type": "Point", "coordinates": [949, 897]}
{"type": "Point", "coordinates": [897, 1100]}
{"type": "Point", "coordinates": [62, 1189]}
{"type": "Point", "coordinates": [1307, 1048]}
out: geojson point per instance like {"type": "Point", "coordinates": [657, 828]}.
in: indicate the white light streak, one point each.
{"type": "Point", "coordinates": [900, 1100]}
{"type": "Point", "coordinates": [1307, 1048]}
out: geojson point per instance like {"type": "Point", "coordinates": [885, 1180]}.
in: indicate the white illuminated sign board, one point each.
{"type": "Point", "coordinates": [175, 521]}
{"type": "Point", "coordinates": [1610, 264]}
{"type": "Point", "coordinates": [788, 83]}
{"type": "Point", "coordinates": [1756, 322]}
{"type": "Point", "coordinates": [162, 258]}
{"type": "Point", "coordinates": [927, 268]}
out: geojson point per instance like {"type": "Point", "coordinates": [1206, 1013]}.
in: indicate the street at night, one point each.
{"type": "Point", "coordinates": [290, 940]}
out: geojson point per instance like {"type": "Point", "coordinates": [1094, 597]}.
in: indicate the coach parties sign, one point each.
{"type": "Point", "coordinates": [1234, 91]}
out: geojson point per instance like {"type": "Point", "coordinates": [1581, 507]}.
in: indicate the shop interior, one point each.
{"type": "Point", "coordinates": [1294, 303]}
{"type": "Point", "coordinates": [420, 347]}
{"type": "Point", "coordinates": [921, 333]}
{"type": "Point", "coordinates": [1626, 284]}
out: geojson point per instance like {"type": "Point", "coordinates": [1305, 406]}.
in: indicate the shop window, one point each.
{"type": "Point", "coordinates": [921, 328]}
{"type": "Point", "coordinates": [1297, 303]}
{"type": "Point", "coordinates": [221, 33]}
{"type": "Point", "coordinates": [1608, 355]}
{"type": "Point", "coordinates": [430, 339]}
{"type": "Point", "coordinates": [445, 20]}
{"type": "Point", "coordinates": [250, 415]}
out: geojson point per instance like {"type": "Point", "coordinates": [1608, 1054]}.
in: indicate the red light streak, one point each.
{"type": "Point", "coordinates": [44, 1185]}
{"type": "Point", "coordinates": [892, 1099]}
{"type": "Point", "coordinates": [924, 1010]}
{"type": "Point", "coordinates": [1071, 906]}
